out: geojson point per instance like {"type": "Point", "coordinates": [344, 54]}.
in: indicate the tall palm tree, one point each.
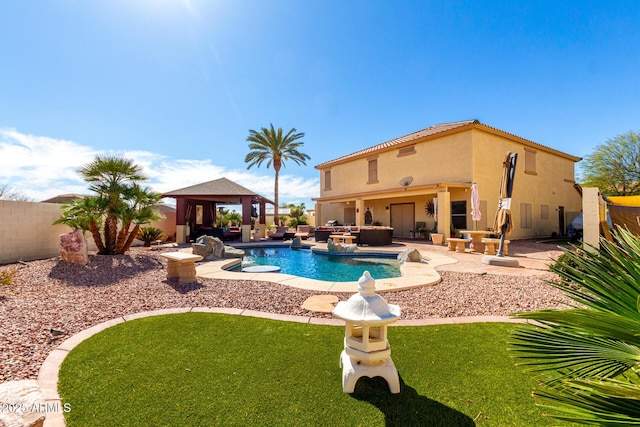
{"type": "Point", "coordinates": [274, 147]}
{"type": "Point", "coordinates": [589, 356]}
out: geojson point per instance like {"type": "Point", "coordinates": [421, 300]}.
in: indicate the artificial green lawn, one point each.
{"type": "Point", "coordinates": [202, 369]}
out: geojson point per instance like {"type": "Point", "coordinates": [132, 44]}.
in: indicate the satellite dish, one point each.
{"type": "Point", "coordinates": [406, 181]}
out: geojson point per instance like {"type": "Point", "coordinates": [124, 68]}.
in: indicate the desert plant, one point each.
{"type": "Point", "coordinates": [148, 235]}
{"type": "Point", "coordinates": [588, 356]}
{"type": "Point", "coordinates": [7, 275]}
{"type": "Point", "coordinates": [120, 207]}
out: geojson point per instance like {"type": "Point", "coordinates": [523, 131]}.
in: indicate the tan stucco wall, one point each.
{"type": "Point", "coordinates": [26, 231]}
{"type": "Point", "coordinates": [455, 161]}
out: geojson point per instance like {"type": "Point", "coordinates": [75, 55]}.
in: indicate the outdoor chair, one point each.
{"type": "Point", "coordinates": [280, 233]}
{"type": "Point", "coordinates": [303, 231]}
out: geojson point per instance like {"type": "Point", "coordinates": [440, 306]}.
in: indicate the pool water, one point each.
{"type": "Point", "coordinates": [332, 268]}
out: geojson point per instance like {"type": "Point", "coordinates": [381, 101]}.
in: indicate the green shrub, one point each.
{"type": "Point", "coordinates": [149, 234]}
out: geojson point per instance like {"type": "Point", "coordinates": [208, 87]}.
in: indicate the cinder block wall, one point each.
{"type": "Point", "coordinates": [26, 231]}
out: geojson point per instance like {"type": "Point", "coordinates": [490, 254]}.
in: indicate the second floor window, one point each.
{"type": "Point", "coordinates": [373, 171]}
{"type": "Point", "coordinates": [327, 180]}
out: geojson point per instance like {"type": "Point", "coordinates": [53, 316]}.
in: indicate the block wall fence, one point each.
{"type": "Point", "coordinates": [27, 232]}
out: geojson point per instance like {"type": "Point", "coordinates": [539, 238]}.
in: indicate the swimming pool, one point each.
{"type": "Point", "coordinates": [321, 266]}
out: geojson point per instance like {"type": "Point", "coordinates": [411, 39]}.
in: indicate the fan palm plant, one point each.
{"type": "Point", "coordinates": [588, 356]}
{"type": "Point", "coordinates": [119, 202]}
{"type": "Point", "coordinates": [275, 147]}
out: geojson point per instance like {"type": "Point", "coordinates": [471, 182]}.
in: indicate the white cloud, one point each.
{"type": "Point", "coordinates": [43, 167]}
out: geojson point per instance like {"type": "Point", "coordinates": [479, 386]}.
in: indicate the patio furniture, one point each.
{"type": "Point", "coordinates": [476, 239]}
{"type": "Point", "coordinates": [420, 230]}
{"type": "Point", "coordinates": [457, 245]}
{"type": "Point", "coordinates": [346, 238]}
{"type": "Point", "coordinates": [280, 234]}
{"type": "Point", "coordinates": [303, 231]}
{"type": "Point", "coordinates": [181, 266]}
{"type": "Point", "coordinates": [376, 236]}
{"type": "Point", "coordinates": [491, 246]}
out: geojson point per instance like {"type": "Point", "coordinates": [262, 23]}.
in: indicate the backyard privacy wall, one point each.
{"type": "Point", "coordinates": [27, 231]}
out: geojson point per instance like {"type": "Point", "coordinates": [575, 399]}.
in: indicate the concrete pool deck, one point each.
{"type": "Point", "coordinates": [532, 261]}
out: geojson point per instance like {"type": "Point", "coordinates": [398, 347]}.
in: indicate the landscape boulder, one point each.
{"type": "Point", "coordinates": [211, 248]}
{"type": "Point", "coordinates": [21, 403]}
{"type": "Point", "coordinates": [409, 255]}
{"type": "Point", "coordinates": [296, 243]}
{"type": "Point", "coordinates": [341, 248]}
{"type": "Point", "coordinates": [73, 248]}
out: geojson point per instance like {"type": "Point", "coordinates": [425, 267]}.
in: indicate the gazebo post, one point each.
{"type": "Point", "coordinates": [181, 227]}
{"type": "Point", "coordinates": [246, 219]}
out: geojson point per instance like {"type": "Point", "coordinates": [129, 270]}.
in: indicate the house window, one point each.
{"type": "Point", "coordinates": [373, 171]}
{"type": "Point", "coordinates": [530, 161]}
{"type": "Point", "coordinates": [544, 211]}
{"type": "Point", "coordinates": [406, 151]}
{"type": "Point", "coordinates": [459, 215]}
{"type": "Point", "coordinates": [526, 220]}
{"type": "Point", "coordinates": [327, 180]}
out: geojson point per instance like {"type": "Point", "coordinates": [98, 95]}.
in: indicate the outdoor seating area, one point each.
{"type": "Point", "coordinates": [303, 231]}
{"type": "Point", "coordinates": [491, 246]}
{"type": "Point", "coordinates": [457, 244]}
{"type": "Point", "coordinates": [282, 233]}
{"type": "Point", "coordinates": [362, 236]}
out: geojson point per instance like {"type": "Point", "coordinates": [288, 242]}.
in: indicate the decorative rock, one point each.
{"type": "Point", "coordinates": [73, 248]}
{"type": "Point", "coordinates": [200, 249]}
{"type": "Point", "coordinates": [21, 402]}
{"type": "Point", "coordinates": [231, 252]}
{"type": "Point", "coordinates": [409, 255]}
{"type": "Point", "coordinates": [341, 248]}
{"type": "Point", "coordinates": [296, 243]}
{"type": "Point", "coordinates": [208, 247]}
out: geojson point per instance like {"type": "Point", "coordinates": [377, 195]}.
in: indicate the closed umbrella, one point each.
{"type": "Point", "coordinates": [476, 215]}
{"type": "Point", "coordinates": [503, 223]}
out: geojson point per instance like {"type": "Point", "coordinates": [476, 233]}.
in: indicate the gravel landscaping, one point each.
{"type": "Point", "coordinates": [52, 295]}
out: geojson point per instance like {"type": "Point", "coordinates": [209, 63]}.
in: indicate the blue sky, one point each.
{"type": "Point", "coordinates": [177, 84]}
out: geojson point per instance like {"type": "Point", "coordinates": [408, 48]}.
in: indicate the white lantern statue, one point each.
{"type": "Point", "coordinates": [366, 348]}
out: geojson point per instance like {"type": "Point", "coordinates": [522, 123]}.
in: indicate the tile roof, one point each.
{"type": "Point", "coordinates": [434, 130]}
{"type": "Point", "coordinates": [431, 130]}
{"type": "Point", "coordinates": [218, 187]}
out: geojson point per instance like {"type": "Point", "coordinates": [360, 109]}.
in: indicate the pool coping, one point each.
{"type": "Point", "coordinates": [48, 374]}
{"type": "Point", "coordinates": [414, 274]}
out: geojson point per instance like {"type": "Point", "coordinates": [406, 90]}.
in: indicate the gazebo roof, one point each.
{"type": "Point", "coordinates": [219, 190]}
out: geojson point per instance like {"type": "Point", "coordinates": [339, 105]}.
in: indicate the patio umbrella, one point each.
{"type": "Point", "coordinates": [476, 215]}
{"type": "Point", "coordinates": [503, 223]}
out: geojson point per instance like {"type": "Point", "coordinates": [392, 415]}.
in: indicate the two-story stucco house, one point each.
{"type": "Point", "coordinates": [392, 183]}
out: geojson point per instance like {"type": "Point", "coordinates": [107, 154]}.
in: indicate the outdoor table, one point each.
{"type": "Point", "coordinates": [346, 238]}
{"type": "Point", "coordinates": [476, 244]}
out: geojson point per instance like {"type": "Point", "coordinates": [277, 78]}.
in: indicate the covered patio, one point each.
{"type": "Point", "coordinates": [197, 208]}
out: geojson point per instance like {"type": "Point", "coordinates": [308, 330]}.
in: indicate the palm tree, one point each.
{"type": "Point", "coordinates": [275, 148]}
{"type": "Point", "coordinates": [110, 177]}
{"type": "Point", "coordinates": [589, 356]}
{"type": "Point", "coordinates": [119, 201]}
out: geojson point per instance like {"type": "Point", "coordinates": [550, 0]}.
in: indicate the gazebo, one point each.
{"type": "Point", "coordinates": [197, 207]}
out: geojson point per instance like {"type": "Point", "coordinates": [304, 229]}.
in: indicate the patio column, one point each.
{"type": "Point", "coordinates": [261, 227]}
{"type": "Point", "coordinates": [444, 213]}
{"type": "Point", "coordinates": [360, 212]}
{"type": "Point", "coordinates": [181, 223]}
{"type": "Point", "coordinates": [246, 219]}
